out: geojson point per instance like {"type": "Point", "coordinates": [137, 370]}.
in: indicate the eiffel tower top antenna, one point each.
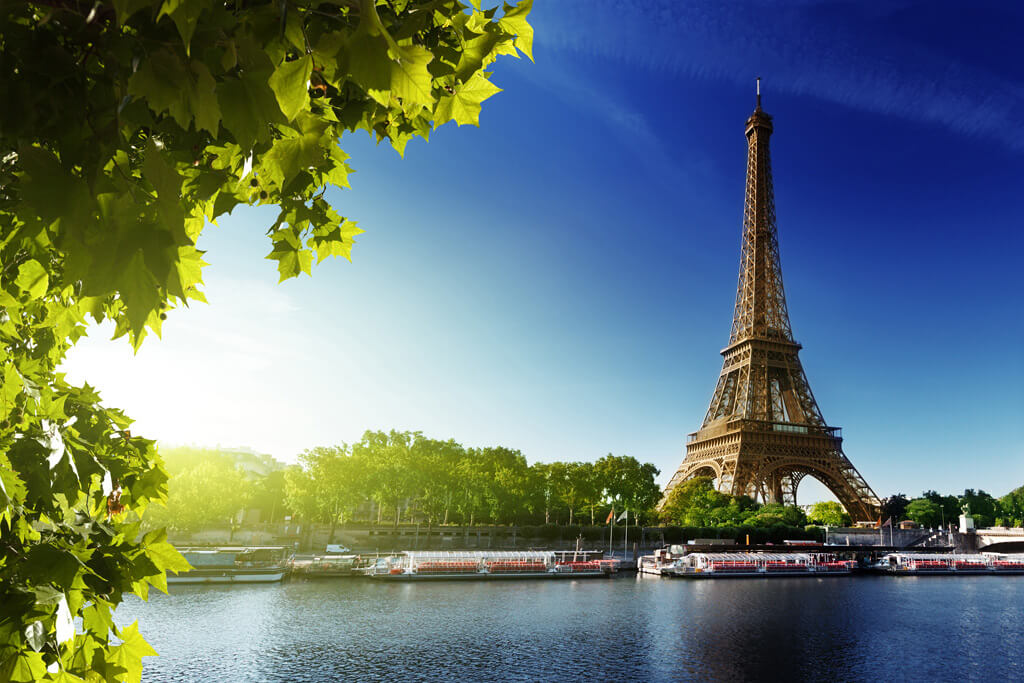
{"type": "Point", "coordinates": [758, 92]}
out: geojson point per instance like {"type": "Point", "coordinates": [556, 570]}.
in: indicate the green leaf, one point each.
{"type": "Point", "coordinates": [140, 293]}
{"type": "Point", "coordinates": [167, 183]}
{"type": "Point", "coordinates": [291, 257]}
{"type": "Point", "coordinates": [463, 106]}
{"type": "Point", "coordinates": [410, 79]}
{"type": "Point", "coordinates": [369, 64]}
{"type": "Point", "coordinates": [515, 22]}
{"type": "Point", "coordinates": [185, 15]}
{"type": "Point", "coordinates": [167, 558]}
{"type": "Point", "coordinates": [32, 278]}
{"type": "Point", "coordinates": [126, 8]}
{"type": "Point", "coordinates": [248, 108]}
{"type": "Point", "coordinates": [476, 52]}
{"type": "Point", "coordinates": [23, 667]}
{"type": "Point", "coordinates": [128, 655]}
{"type": "Point", "coordinates": [98, 619]}
{"type": "Point", "coordinates": [50, 190]}
{"type": "Point", "coordinates": [205, 105]}
{"type": "Point", "coordinates": [164, 82]}
{"type": "Point", "coordinates": [290, 155]}
{"type": "Point", "coordinates": [48, 564]}
{"type": "Point", "coordinates": [290, 83]}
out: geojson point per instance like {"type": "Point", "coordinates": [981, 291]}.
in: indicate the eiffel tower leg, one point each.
{"type": "Point", "coordinates": [773, 487]}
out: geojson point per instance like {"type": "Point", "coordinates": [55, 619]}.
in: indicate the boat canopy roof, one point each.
{"type": "Point", "coordinates": [954, 557]}
{"type": "Point", "coordinates": [753, 557]}
{"type": "Point", "coordinates": [455, 555]}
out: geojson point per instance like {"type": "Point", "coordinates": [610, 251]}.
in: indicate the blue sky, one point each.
{"type": "Point", "coordinates": [561, 279]}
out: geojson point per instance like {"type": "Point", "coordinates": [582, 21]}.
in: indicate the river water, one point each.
{"type": "Point", "coordinates": [629, 627]}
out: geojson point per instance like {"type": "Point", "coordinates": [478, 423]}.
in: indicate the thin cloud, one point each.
{"type": "Point", "coordinates": [804, 48]}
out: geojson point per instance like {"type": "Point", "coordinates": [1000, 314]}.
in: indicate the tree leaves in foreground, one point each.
{"type": "Point", "coordinates": [126, 127]}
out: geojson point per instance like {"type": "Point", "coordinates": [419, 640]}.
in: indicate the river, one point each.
{"type": "Point", "coordinates": [626, 628]}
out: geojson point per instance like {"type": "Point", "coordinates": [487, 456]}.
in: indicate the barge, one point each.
{"type": "Point", "coordinates": [925, 564]}
{"type": "Point", "coordinates": [488, 565]}
{"type": "Point", "coordinates": [232, 565]}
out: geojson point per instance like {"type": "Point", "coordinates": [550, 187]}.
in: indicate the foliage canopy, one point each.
{"type": "Point", "coordinates": [127, 126]}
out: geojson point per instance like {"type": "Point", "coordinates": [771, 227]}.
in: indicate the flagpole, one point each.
{"type": "Point", "coordinates": [611, 529]}
{"type": "Point", "coordinates": [625, 538]}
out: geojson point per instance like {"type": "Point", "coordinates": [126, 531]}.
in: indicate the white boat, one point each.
{"type": "Point", "coordinates": [489, 565]}
{"type": "Point", "coordinates": [759, 565]}
{"type": "Point", "coordinates": [922, 564]}
{"type": "Point", "coordinates": [232, 565]}
{"type": "Point", "coordinates": [661, 561]}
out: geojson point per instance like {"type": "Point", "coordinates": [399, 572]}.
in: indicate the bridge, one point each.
{"type": "Point", "coordinates": [999, 539]}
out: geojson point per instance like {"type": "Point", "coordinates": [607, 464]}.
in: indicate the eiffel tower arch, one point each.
{"type": "Point", "coordinates": [763, 432]}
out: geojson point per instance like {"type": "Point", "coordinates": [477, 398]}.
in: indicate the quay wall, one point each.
{"type": "Point", "coordinates": [370, 537]}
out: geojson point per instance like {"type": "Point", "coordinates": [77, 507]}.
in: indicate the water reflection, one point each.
{"type": "Point", "coordinates": [626, 628]}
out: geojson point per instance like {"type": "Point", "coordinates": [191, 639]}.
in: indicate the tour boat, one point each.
{"type": "Point", "coordinates": [488, 564]}
{"type": "Point", "coordinates": [760, 565]}
{"type": "Point", "coordinates": [232, 565]}
{"type": "Point", "coordinates": [921, 564]}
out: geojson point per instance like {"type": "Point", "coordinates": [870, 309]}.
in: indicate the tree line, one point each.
{"type": "Point", "coordinates": [398, 476]}
{"type": "Point", "coordinates": [394, 477]}
{"type": "Point", "coordinates": [933, 509]}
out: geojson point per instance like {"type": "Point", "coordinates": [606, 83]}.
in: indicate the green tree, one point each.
{"type": "Point", "coordinates": [829, 513]}
{"type": "Point", "coordinates": [1012, 507]}
{"type": "Point", "coordinates": [949, 506]}
{"type": "Point", "coordinates": [925, 512]}
{"type": "Point", "coordinates": [774, 514]}
{"type": "Point", "coordinates": [507, 477]}
{"type": "Point", "coordinates": [693, 503]}
{"type": "Point", "coordinates": [547, 486]}
{"type": "Point", "coordinates": [579, 487]}
{"type": "Point", "coordinates": [983, 507]}
{"type": "Point", "coordinates": [126, 127]}
{"type": "Point", "coordinates": [336, 481]}
{"type": "Point", "coordinates": [390, 472]}
{"type": "Point", "coordinates": [436, 467]}
{"type": "Point", "coordinates": [268, 496]}
{"type": "Point", "coordinates": [895, 507]}
{"type": "Point", "coordinates": [300, 494]}
{"type": "Point", "coordinates": [205, 489]}
{"type": "Point", "coordinates": [627, 483]}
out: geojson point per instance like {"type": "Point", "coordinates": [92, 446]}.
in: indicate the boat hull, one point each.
{"type": "Point", "coordinates": [750, 575]}
{"type": "Point", "coordinates": [197, 576]}
{"type": "Point", "coordinates": [483, 576]}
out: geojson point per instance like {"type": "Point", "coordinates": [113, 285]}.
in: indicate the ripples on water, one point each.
{"type": "Point", "coordinates": [643, 628]}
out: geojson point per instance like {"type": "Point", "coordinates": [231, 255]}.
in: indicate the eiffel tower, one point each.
{"type": "Point", "coordinates": [764, 432]}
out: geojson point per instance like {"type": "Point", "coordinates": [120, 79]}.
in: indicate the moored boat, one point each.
{"type": "Point", "coordinates": [757, 565]}
{"type": "Point", "coordinates": [324, 566]}
{"type": "Point", "coordinates": [921, 564]}
{"type": "Point", "coordinates": [232, 565]}
{"type": "Point", "coordinates": [493, 565]}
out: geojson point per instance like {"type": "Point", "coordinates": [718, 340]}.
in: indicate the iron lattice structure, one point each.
{"type": "Point", "coordinates": [763, 432]}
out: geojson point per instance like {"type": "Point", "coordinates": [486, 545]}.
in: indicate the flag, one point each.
{"type": "Point", "coordinates": [622, 516]}
{"type": "Point", "coordinates": [611, 515]}
{"type": "Point", "coordinates": [888, 522]}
